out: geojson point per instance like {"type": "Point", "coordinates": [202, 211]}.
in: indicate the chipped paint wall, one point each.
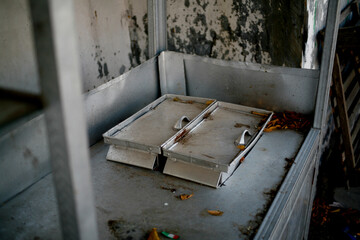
{"type": "Point", "coordinates": [113, 35]}
{"type": "Point", "coordinates": [110, 35]}
{"type": "Point", "coordinates": [112, 39]}
{"type": "Point", "coordinates": [267, 32]}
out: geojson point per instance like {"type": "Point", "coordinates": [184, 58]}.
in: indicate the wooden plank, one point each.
{"type": "Point", "coordinates": [352, 95]}
{"type": "Point", "coordinates": [349, 80]}
{"type": "Point", "coordinates": [353, 7]}
{"type": "Point", "coordinates": [345, 13]}
{"type": "Point", "coordinates": [354, 114]}
{"type": "Point", "coordinates": [344, 121]}
{"type": "Point", "coordinates": [356, 132]}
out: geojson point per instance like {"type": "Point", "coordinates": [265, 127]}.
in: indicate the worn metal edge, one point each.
{"type": "Point", "coordinates": [133, 145]}
{"type": "Point", "coordinates": [309, 73]}
{"type": "Point", "coordinates": [296, 195]}
{"type": "Point", "coordinates": [121, 78]}
{"type": "Point", "coordinates": [142, 159]}
{"type": "Point", "coordinates": [178, 76]}
{"type": "Point", "coordinates": [253, 141]}
{"type": "Point", "coordinates": [313, 193]}
{"type": "Point", "coordinates": [184, 170]}
{"type": "Point", "coordinates": [287, 188]}
{"type": "Point", "coordinates": [326, 68]}
{"type": "Point", "coordinates": [157, 26]}
{"type": "Point", "coordinates": [216, 167]}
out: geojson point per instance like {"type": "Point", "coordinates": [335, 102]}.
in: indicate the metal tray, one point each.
{"type": "Point", "coordinates": [153, 125]}
{"type": "Point", "coordinates": [212, 139]}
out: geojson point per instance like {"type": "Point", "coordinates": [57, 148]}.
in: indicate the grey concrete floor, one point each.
{"type": "Point", "coordinates": [130, 201]}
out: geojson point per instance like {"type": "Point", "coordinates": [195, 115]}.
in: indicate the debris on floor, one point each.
{"type": "Point", "coordinates": [122, 229]}
{"type": "Point", "coordinates": [288, 120]}
{"type": "Point", "coordinates": [185, 196]}
{"type": "Point", "coordinates": [215, 212]}
{"type": "Point", "coordinates": [173, 190]}
{"type": "Point", "coordinates": [338, 223]}
{"type": "Point", "coordinates": [153, 235]}
{"type": "Point", "coordinates": [170, 235]}
{"type": "Point", "coordinates": [334, 214]}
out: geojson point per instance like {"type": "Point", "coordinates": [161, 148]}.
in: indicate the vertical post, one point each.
{"type": "Point", "coordinates": [157, 26]}
{"type": "Point", "coordinates": [327, 62]}
{"type": "Point", "coordinates": [60, 80]}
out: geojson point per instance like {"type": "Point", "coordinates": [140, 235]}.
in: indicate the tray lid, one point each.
{"type": "Point", "coordinates": [219, 137]}
{"type": "Point", "coordinates": [153, 125]}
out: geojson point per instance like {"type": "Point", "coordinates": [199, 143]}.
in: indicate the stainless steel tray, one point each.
{"type": "Point", "coordinates": [213, 139]}
{"type": "Point", "coordinates": [153, 125]}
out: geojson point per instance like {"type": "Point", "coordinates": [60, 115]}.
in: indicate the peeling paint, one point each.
{"type": "Point", "coordinates": [115, 32]}
{"type": "Point", "coordinates": [100, 70]}
{"type": "Point", "coordinates": [138, 38]}
{"type": "Point", "coordinates": [122, 69]}
{"type": "Point", "coordinates": [106, 71]}
{"type": "Point", "coordinates": [240, 30]}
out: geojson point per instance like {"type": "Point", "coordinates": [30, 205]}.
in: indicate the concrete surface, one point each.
{"type": "Point", "coordinates": [130, 201]}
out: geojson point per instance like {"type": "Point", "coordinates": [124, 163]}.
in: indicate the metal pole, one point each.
{"type": "Point", "coordinates": [157, 26]}
{"type": "Point", "coordinates": [60, 80]}
{"type": "Point", "coordinates": [327, 63]}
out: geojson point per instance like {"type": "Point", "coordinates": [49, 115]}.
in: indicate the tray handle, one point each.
{"type": "Point", "coordinates": [241, 139]}
{"type": "Point", "coordinates": [178, 125]}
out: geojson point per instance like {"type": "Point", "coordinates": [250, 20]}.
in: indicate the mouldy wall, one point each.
{"type": "Point", "coordinates": [111, 37]}
{"type": "Point", "coordinates": [111, 41]}
{"type": "Point", "coordinates": [269, 32]}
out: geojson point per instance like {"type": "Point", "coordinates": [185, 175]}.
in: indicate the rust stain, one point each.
{"type": "Point", "coordinates": [181, 135]}
{"type": "Point", "coordinates": [176, 99]}
{"type": "Point", "coordinates": [208, 102]}
{"type": "Point", "coordinates": [259, 114]}
{"type": "Point", "coordinates": [239, 125]}
{"type": "Point", "coordinates": [207, 116]}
